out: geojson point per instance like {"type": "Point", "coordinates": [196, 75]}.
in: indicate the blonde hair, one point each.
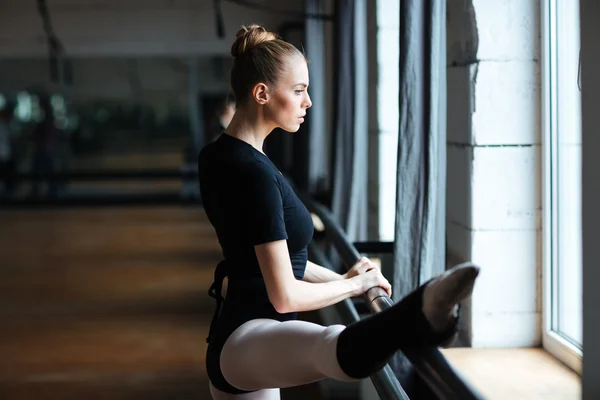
{"type": "Point", "coordinates": [259, 56]}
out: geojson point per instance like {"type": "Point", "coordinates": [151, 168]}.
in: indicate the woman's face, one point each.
{"type": "Point", "coordinates": [289, 99]}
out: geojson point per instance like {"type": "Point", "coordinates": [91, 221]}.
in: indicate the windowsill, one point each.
{"type": "Point", "coordinates": [525, 373]}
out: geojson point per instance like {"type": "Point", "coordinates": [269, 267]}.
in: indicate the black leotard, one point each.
{"type": "Point", "coordinates": [248, 202]}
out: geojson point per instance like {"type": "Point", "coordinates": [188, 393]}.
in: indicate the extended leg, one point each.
{"type": "Point", "coordinates": [426, 318]}
{"type": "Point", "coordinates": [265, 353]}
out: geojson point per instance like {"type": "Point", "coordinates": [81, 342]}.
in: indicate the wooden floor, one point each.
{"type": "Point", "coordinates": [528, 374]}
{"type": "Point", "coordinates": [107, 303]}
{"type": "Point", "coordinates": [111, 303]}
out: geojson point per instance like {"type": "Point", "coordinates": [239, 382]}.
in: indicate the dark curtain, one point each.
{"type": "Point", "coordinates": [349, 192]}
{"type": "Point", "coordinates": [289, 151]}
{"type": "Point", "coordinates": [316, 118]}
{"type": "Point", "coordinates": [296, 148]}
{"type": "Point", "coordinates": [419, 248]}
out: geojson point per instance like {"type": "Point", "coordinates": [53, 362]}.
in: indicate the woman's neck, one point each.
{"type": "Point", "coordinates": [249, 126]}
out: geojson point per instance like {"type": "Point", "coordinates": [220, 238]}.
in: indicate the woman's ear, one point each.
{"type": "Point", "coordinates": [260, 93]}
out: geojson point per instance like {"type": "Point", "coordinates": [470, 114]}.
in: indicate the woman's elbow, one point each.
{"type": "Point", "coordinates": [282, 308]}
{"type": "Point", "coordinates": [282, 304]}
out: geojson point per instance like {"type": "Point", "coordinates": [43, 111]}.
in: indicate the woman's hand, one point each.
{"type": "Point", "coordinates": [362, 265]}
{"type": "Point", "coordinates": [367, 275]}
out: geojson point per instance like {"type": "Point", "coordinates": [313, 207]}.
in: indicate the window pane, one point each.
{"type": "Point", "coordinates": [567, 235]}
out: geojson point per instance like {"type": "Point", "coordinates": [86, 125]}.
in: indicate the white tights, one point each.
{"type": "Point", "coordinates": [265, 355]}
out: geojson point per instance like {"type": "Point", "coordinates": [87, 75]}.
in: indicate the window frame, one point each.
{"type": "Point", "coordinates": [552, 341]}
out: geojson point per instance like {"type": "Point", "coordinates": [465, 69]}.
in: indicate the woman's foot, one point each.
{"type": "Point", "coordinates": [443, 293]}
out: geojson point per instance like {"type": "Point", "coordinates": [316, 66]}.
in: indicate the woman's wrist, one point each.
{"type": "Point", "coordinates": [356, 286]}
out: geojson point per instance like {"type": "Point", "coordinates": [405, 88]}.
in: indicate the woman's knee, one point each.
{"type": "Point", "coordinates": [325, 354]}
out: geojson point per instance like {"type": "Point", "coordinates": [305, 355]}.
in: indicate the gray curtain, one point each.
{"type": "Point", "coordinates": [421, 186]}
{"type": "Point", "coordinates": [419, 247]}
{"type": "Point", "coordinates": [349, 193]}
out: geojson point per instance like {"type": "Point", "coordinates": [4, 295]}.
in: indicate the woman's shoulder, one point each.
{"type": "Point", "coordinates": [258, 170]}
{"type": "Point", "coordinates": [234, 163]}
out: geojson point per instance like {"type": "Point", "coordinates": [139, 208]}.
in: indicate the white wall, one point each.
{"type": "Point", "coordinates": [590, 59]}
{"type": "Point", "coordinates": [127, 27]}
{"type": "Point", "coordinates": [493, 187]}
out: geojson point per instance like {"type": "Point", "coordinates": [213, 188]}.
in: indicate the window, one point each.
{"type": "Point", "coordinates": [388, 47]}
{"type": "Point", "coordinates": [24, 107]}
{"type": "Point", "coordinates": [562, 267]}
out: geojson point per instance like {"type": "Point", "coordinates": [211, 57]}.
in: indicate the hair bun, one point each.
{"type": "Point", "coordinates": [250, 37]}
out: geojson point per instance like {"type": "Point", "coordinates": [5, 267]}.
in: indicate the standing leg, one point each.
{"type": "Point", "coordinates": [265, 394]}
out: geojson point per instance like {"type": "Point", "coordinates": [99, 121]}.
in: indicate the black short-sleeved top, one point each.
{"type": "Point", "coordinates": [249, 202]}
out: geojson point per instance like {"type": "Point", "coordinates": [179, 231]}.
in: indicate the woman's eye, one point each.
{"type": "Point", "coordinates": [299, 91]}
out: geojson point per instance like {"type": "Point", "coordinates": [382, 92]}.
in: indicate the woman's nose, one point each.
{"type": "Point", "coordinates": [308, 103]}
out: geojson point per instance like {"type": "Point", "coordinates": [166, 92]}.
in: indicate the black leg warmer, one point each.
{"type": "Point", "coordinates": [365, 346]}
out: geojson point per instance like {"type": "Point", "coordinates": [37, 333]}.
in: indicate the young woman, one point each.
{"type": "Point", "coordinates": [256, 344]}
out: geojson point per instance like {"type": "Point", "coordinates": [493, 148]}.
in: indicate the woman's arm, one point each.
{"type": "Point", "coordinates": [287, 294]}
{"type": "Point", "coordinates": [315, 273]}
